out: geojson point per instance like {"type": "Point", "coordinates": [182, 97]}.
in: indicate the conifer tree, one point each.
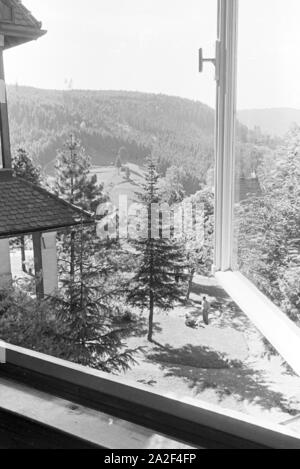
{"type": "Point", "coordinates": [74, 184]}
{"type": "Point", "coordinates": [159, 281]}
{"type": "Point", "coordinates": [88, 272]}
{"type": "Point", "coordinates": [85, 307]}
{"type": "Point", "coordinates": [73, 181]}
{"type": "Point", "coordinates": [24, 167]}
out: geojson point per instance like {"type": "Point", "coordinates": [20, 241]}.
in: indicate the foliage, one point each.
{"type": "Point", "coordinates": [73, 181]}
{"type": "Point", "coordinates": [87, 337]}
{"type": "Point", "coordinates": [178, 132]}
{"type": "Point", "coordinates": [89, 272]}
{"type": "Point", "coordinates": [269, 228]}
{"type": "Point", "coordinates": [85, 306]}
{"type": "Point", "coordinates": [24, 167]}
{"type": "Point", "coordinates": [199, 236]}
{"type": "Point", "coordinates": [173, 185]}
{"type": "Point", "coordinates": [74, 184]}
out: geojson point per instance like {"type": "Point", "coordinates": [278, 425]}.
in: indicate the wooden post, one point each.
{"type": "Point", "coordinates": [38, 264]}
{"type": "Point", "coordinates": [49, 259]}
{"type": "Point", "coordinates": [5, 265]}
{"type": "Point", "coordinates": [4, 123]}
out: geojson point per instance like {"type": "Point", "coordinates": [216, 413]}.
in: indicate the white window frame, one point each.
{"type": "Point", "coordinates": [280, 331]}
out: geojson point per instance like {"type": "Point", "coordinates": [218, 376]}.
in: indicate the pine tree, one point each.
{"type": "Point", "coordinates": [24, 167]}
{"type": "Point", "coordinates": [73, 181]}
{"type": "Point", "coordinates": [88, 273]}
{"type": "Point", "coordinates": [84, 305]}
{"type": "Point", "coordinates": [74, 184]}
{"type": "Point", "coordinates": [77, 325]}
{"type": "Point", "coordinates": [161, 273]}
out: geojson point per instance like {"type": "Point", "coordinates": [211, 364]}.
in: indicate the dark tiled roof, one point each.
{"type": "Point", "coordinates": [22, 16]}
{"type": "Point", "coordinates": [26, 208]}
{"type": "Point", "coordinates": [23, 27]}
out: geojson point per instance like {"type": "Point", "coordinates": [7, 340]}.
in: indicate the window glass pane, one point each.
{"type": "Point", "coordinates": [266, 223]}
{"type": "Point", "coordinates": [137, 94]}
{"type": "Point", "coordinates": [268, 160]}
{"type": "Point", "coordinates": [266, 211]}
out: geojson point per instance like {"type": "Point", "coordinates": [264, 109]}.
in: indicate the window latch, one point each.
{"type": "Point", "coordinates": [214, 61]}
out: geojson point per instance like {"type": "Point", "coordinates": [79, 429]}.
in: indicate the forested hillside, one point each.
{"type": "Point", "coordinates": [177, 131]}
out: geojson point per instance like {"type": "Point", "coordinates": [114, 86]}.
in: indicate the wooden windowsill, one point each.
{"type": "Point", "coordinates": [95, 427]}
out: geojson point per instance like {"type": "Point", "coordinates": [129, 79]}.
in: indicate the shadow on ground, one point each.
{"type": "Point", "coordinates": [198, 357]}
{"type": "Point", "coordinates": [242, 383]}
{"type": "Point", "coordinates": [210, 290]}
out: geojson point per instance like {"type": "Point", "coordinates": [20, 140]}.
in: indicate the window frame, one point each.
{"type": "Point", "coordinates": [240, 289]}
{"type": "Point", "coordinates": [226, 64]}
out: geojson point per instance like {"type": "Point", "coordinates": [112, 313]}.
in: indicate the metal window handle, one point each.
{"type": "Point", "coordinates": [202, 60]}
{"type": "Point", "coordinates": [214, 61]}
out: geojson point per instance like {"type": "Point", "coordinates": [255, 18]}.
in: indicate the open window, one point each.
{"type": "Point", "coordinates": [257, 169]}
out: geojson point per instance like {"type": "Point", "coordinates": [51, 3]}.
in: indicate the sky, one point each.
{"type": "Point", "coordinates": [152, 46]}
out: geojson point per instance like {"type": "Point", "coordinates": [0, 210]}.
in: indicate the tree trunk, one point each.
{"type": "Point", "coordinates": [38, 265]}
{"type": "Point", "coordinates": [72, 269]}
{"type": "Point", "coordinates": [23, 254]}
{"type": "Point", "coordinates": [191, 278]}
{"type": "Point", "coordinates": [151, 315]}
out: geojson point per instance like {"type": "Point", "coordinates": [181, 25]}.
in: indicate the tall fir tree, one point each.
{"type": "Point", "coordinates": [88, 273]}
{"type": "Point", "coordinates": [159, 281]}
{"type": "Point", "coordinates": [73, 181]}
{"type": "Point", "coordinates": [74, 184]}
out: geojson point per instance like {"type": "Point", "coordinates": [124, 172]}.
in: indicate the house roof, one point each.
{"type": "Point", "coordinates": [17, 24]}
{"type": "Point", "coordinates": [26, 208]}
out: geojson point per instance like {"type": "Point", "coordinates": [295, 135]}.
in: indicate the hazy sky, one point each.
{"type": "Point", "coordinates": [151, 45]}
